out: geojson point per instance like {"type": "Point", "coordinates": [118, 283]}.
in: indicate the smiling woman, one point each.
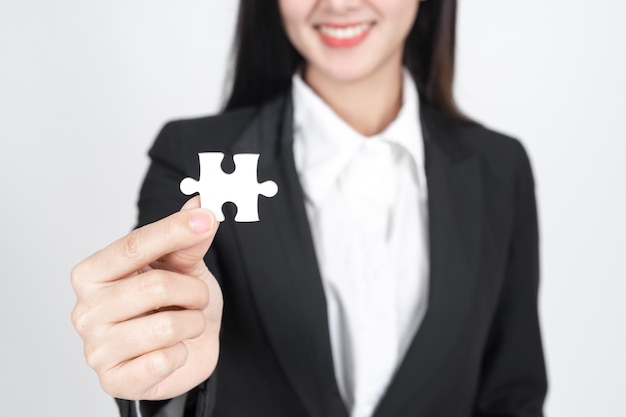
{"type": "Point", "coordinates": [353, 55]}
{"type": "Point", "coordinates": [341, 43]}
{"type": "Point", "coordinates": [394, 274]}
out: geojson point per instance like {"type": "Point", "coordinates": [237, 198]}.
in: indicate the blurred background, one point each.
{"type": "Point", "coordinates": [85, 87]}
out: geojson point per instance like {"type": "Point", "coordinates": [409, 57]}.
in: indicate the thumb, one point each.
{"type": "Point", "coordinates": [189, 260]}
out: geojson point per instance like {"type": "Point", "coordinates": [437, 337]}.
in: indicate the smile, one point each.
{"type": "Point", "coordinates": [344, 35]}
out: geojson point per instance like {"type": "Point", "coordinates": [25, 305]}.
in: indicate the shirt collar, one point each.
{"type": "Point", "coordinates": [406, 130]}
{"type": "Point", "coordinates": [324, 143]}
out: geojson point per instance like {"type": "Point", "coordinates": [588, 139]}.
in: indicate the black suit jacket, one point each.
{"type": "Point", "coordinates": [478, 351]}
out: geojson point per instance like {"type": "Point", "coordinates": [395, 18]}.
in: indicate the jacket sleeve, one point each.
{"type": "Point", "coordinates": [513, 378]}
{"type": "Point", "coordinates": [159, 197]}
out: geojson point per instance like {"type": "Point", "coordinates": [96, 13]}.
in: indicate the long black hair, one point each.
{"type": "Point", "coordinates": [265, 60]}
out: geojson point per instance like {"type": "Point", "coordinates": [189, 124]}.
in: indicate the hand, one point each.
{"type": "Point", "coordinates": [148, 309]}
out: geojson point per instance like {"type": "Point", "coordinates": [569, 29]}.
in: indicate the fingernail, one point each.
{"type": "Point", "coordinates": [201, 222]}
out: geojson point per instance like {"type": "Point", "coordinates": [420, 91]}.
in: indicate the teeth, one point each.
{"type": "Point", "coordinates": [345, 33]}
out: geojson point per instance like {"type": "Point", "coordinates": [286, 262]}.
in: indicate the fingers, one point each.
{"type": "Point", "coordinates": [189, 231]}
{"type": "Point", "coordinates": [130, 339]}
{"type": "Point", "coordinates": [146, 292]}
{"type": "Point", "coordinates": [140, 378]}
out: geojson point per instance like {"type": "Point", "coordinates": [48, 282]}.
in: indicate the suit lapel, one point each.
{"type": "Point", "coordinates": [282, 266]}
{"type": "Point", "coordinates": [455, 199]}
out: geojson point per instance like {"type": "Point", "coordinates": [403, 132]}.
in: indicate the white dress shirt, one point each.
{"type": "Point", "coordinates": [366, 201]}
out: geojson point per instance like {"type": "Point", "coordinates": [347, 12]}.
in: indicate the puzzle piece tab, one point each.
{"type": "Point", "coordinates": [241, 187]}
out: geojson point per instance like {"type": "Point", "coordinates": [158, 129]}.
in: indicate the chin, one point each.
{"type": "Point", "coordinates": [343, 71]}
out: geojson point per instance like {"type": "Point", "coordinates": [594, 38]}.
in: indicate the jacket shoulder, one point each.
{"type": "Point", "coordinates": [460, 139]}
{"type": "Point", "coordinates": [504, 158]}
{"type": "Point", "coordinates": [491, 144]}
{"type": "Point", "coordinates": [501, 154]}
{"type": "Point", "coordinates": [208, 132]}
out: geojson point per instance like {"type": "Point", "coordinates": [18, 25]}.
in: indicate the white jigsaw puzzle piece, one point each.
{"type": "Point", "coordinates": [240, 187]}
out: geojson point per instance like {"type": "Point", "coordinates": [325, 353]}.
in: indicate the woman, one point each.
{"type": "Point", "coordinates": [394, 274]}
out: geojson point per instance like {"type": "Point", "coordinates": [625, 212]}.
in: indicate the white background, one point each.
{"type": "Point", "coordinates": [85, 86]}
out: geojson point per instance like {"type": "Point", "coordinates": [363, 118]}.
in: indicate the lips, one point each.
{"type": "Point", "coordinates": [344, 36]}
